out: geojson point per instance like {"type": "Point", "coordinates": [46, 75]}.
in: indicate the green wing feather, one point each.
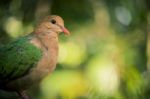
{"type": "Point", "coordinates": [17, 58]}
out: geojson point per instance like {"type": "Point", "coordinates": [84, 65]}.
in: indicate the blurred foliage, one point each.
{"type": "Point", "coordinates": [106, 57]}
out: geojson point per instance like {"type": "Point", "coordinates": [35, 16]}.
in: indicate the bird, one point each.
{"type": "Point", "coordinates": [28, 59]}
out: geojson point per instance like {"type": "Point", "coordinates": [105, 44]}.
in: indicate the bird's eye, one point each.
{"type": "Point", "coordinates": [53, 21]}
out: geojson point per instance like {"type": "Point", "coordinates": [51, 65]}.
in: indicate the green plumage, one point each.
{"type": "Point", "coordinates": [17, 58]}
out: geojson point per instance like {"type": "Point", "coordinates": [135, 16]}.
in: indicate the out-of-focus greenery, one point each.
{"type": "Point", "coordinates": [107, 55]}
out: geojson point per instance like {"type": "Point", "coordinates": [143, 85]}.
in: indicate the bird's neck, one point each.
{"type": "Point", "coordinates": [48, 40]}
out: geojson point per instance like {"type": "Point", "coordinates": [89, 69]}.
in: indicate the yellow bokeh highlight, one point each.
{"type": "Point", "coordinates": [67, 84]}
{"type": "Point", "coordinates": [103, 75]}
{"type": "Point", "coordinates": [13, 27]}
{"type": "Point", "coordinates": [71, 54]}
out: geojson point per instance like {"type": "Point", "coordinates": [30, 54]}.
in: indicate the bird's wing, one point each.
{"type": "Point", "coordinates": [17, 58]}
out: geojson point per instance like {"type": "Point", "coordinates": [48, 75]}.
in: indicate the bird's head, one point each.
{"type": "Point", "coordinates": [53, 23]}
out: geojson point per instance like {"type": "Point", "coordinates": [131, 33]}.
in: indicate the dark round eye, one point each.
{"type": "Point", "coordinates": [53, 21]}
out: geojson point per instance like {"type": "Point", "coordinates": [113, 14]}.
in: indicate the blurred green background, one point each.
{"type": "Point", "coordinates": [107, 55]}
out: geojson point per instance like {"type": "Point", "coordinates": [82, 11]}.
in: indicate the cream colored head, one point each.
{"type": "Point", "coordinates": [52, 23]}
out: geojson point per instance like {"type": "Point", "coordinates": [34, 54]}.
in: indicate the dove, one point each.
{"type": "Point", "coordinates": [27, 60]}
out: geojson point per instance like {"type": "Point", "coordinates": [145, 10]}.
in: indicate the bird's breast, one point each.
{"type": "Point", "coordinates": [47, 63]}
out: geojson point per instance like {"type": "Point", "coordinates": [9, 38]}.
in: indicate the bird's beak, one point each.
{"type": "Point", "coordinates": [66, 32]}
